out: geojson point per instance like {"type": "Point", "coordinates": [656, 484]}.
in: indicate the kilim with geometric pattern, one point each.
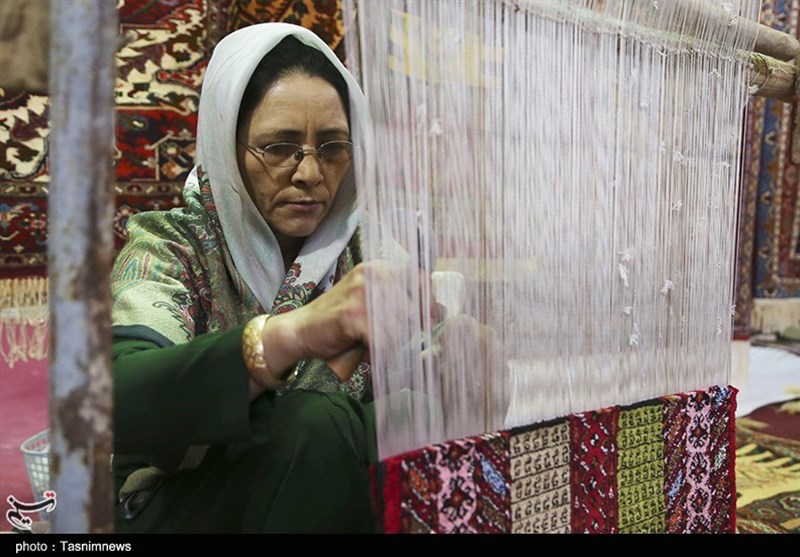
{"type": "Point", "coordinates": [540, 499]}
{"type": "Point", "coordinates": [722, 458]}
{"type": "Point", "coordinates": [699, 460]}
{"type": "Point", "coordinates": [593, 466]}
{"type": "Point", "coordinates": [640, 473]}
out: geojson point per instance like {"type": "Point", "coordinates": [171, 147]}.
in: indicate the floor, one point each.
{"type": "Point", "coordinates": [773, 375]}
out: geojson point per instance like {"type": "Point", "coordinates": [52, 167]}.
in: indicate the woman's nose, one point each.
{"type": "Point", "coordinates": [308, 172]}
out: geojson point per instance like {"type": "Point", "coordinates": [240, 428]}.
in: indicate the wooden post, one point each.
{"type": "Point", "coordinates": [80, 251]}
{"type": "Point", "coordinates": [775, 43]}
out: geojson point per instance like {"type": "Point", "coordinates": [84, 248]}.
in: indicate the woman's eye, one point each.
{"type": "Point", "coordinates": [336, 152]}
{"type": "Point", "coordinates": [283, 150]}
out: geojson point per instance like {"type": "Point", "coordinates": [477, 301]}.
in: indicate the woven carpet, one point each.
{"type": "Point", "coordinates": [768, 469]}
{"type": "Point", "coordinates": [769, 227]}
{"type": "Point", "coordinates": [663, 466]}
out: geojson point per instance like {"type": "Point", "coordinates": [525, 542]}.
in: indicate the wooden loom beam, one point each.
{"type": "Point", "coordinates": [766, 40]}
{"type": "Point", "coordinates": [771, 74]}
{"type": "Point", "coordinates": [773, 78]}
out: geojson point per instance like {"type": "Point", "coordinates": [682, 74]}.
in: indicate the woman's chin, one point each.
{"type": "Point", "coordinates": [298, 230]}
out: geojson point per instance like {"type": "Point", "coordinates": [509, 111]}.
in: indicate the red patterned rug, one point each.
{"type": "Point", "coordinates": [769, 228]}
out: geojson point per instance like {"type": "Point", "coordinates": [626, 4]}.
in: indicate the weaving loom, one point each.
{"type": "Point", "coordinates": [568, 173]}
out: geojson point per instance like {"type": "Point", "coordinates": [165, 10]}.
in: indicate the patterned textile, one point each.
{"type": "Point", "coordinates": [768, 472]}
{"type": "Point", "coordinates": [722, 458]}
{"type": "Point", "coordinates": [593, 465]}
{"type": "Point", "coordinates": [187, 244]}
{"type": "Point", "coordinates": [324, 17]}
{"type": "Point", "coordinates": [473, 487]}
{"type": "Point", "coordinates": [699, 447]}
{"type": "Point", "coordinates": [164, 50]}
{"type": "Point", "coordinates": [665, 465]}
{"type": "Point", "coordinates": [24, 181]}
{"type": "Point", "coordinates": [160, 63]}
{"type": "Point", "coordinates": [697, 462]}
{"type": "Point", "coordinates": [676, 426]}
{"type": "Point", "coordinates": [457, 487]}
{"type": "Point", "coordinates": [640, 473]}
{"type": "Point", "coordinates": [769, 228]}
{"type": "Point", "coordinates": [743, 288]}
{"type": "Point", "coordinates": [540, 491]}
{"type": "Point", "coordinates": [409, 502]}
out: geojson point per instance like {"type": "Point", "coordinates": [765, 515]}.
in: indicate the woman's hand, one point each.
{"type": "Point", "coordinates": [335, 327]}
{"type": "Point", "coordinates": [467, 358]}
{"type": "Point", "coordinates": [337, 320]}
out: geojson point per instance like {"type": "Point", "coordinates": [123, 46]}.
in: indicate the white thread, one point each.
{"type": "Point", "coordinates": [623, 274]}
{"type": "Point", "coordinates": [547, 146]}
{"type": "Point", "coordinates": [626, 255]}
{"type": "Point", "coordinates": [633, 339]}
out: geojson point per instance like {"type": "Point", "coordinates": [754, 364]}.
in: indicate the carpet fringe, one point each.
{"type": "Point", "coordinates": [23, 320]}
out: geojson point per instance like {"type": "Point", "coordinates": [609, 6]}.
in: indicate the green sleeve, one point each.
{"type": "Point", "coordinates": [188, 394]}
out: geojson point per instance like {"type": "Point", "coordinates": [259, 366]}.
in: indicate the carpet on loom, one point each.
{"type": "Point", "coordinates": [662, 466]}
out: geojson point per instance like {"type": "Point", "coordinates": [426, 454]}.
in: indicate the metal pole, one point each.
{"type": "Point", "coordinates": [80, 252]}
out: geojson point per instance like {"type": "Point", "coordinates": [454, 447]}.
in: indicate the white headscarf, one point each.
{"type": "Point", "coordinates": [252, 244]}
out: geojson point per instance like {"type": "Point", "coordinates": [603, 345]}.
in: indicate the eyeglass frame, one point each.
{"type": "Point", "coordinates": [261, 151]}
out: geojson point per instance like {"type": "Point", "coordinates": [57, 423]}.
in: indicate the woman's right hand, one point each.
{"type": "Point", "coordinates": [336, 321]}
{"type": "Point", "coordinates": [335, 326]}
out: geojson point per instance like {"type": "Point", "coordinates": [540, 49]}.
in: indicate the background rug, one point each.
{"type": "Point", "coordinates": [768, 469]}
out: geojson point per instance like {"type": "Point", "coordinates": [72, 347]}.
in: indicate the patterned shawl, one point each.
{"type": "Point", "coordinates": [215, 264]}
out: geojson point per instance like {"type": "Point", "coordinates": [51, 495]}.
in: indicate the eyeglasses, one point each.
{"type": "Point", "coordinates": [291, 154]}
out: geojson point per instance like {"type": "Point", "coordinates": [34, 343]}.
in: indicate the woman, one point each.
{"type": "Point", "coordinates": [240, 321]}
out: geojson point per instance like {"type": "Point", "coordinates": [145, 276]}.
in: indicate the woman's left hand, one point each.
{"type": "Point", "coordinates": [468, 360]}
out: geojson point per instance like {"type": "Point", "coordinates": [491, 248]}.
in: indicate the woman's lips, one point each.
{"type": "Point", "coordinates": [303, 205]}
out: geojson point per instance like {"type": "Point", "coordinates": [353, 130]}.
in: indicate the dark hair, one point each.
{"type": "Point", "coordinates": [290, 56]}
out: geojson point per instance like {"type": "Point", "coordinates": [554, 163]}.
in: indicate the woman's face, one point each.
{"type": "Point", "coordinates": [296, 109]}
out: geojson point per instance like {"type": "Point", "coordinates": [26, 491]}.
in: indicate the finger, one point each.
{"type": "Point", "coordinates": [343, 365]}
{"type": "Point", "coordinates": [438, 312]}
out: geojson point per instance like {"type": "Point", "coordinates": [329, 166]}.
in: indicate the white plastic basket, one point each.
{"type": "Point", "coordinates": [36, 452]}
